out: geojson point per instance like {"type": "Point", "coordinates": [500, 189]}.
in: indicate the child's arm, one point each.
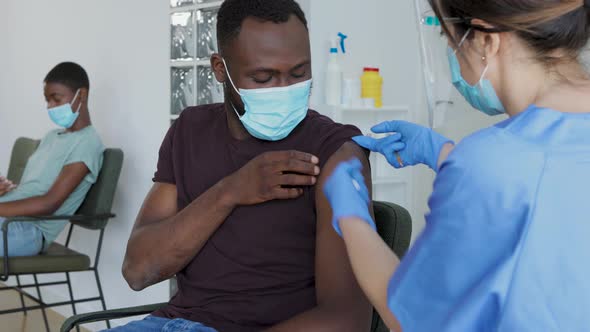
{"type": "Point", "coordinates": [46, 204]}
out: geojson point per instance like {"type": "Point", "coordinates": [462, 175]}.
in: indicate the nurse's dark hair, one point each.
{"type": "Point", "coordinates": [70, 74]}
{"type": "Point", "coordinates": [233, 13]}
{"type": "Point", "coordinates": [554, 29]}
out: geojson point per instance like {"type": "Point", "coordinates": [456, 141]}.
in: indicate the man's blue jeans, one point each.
{"type": "Point", "coordinates": [24, 239]}
{"type": "Point", "coordinates": [158, 324]}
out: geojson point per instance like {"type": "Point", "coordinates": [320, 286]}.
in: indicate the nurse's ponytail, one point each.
{"type": "Point", "coordinates": [554, 29]}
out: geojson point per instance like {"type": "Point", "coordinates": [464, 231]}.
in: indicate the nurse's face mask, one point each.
{"type": "Point", "coordinates": [63, 115]}
{"type": "Point", "coordinates": [482, 95]}
{"type": "Point", "coordinates": [271, 114]}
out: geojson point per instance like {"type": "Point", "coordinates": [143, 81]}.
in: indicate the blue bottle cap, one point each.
{"type": "Point", "coordinates": [431, 21]}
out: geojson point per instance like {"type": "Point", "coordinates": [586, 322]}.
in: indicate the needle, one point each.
{"type": "Point", "coordinates": [397, 155]}
{"type": "Point", "coordinates": [399, 159]}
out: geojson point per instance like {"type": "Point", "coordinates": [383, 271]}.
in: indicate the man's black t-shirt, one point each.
{"type": "Point", "coordinates": [257, 269]}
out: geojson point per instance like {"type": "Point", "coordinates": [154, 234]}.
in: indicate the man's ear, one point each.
{"type": "Point", "coordinates": [218, 68]}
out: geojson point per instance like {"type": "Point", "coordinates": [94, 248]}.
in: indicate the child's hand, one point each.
{"type": "Point", "coordinates": [6, 186]}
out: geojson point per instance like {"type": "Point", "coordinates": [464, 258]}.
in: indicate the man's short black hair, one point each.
{"type": "Point", "coordinates": [69, 74]}
{"type": "Point", "coordinates": [233, 13]}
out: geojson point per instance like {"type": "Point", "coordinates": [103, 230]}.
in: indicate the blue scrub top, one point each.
{"type": "Point", "coordinates": [507, 243]}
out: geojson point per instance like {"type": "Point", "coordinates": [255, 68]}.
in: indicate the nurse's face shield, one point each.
{"type": "Point", "coordinates": [444, 102]}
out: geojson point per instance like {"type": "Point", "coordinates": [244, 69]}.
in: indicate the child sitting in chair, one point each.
{"type": "Point", "coordinates": [61, 171]}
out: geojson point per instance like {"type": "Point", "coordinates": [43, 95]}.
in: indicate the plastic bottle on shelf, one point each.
{"type": "Point", "coordinates": [333, 79]}
{"type": "Point", "coordinates": [334, 73]}
{"type": "Point", "coordinates": [351, 93]}
{"type": "Point", "coordinates": [372, 86]}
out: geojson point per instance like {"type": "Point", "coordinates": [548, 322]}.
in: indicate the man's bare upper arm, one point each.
{"type": "Point", "coordinates": [160, 204]}
{"type": "Point", "coordinates": [335, 281]}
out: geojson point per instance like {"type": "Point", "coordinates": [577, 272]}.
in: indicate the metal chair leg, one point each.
{"type": "Point", "coordinates": [41, 303]}
{"type": "Point", "coordinates": [69, 282]}
{"type": "Point", "coordinates": [22, 297]}
{"type": "Point", "coordinates": [104, 306]}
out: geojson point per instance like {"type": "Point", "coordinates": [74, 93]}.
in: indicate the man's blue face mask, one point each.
{"type": "Point", "coordinates": [271, 114]}
{"type": "Point", "coordinates": [63, 115]}
{"type": "Point", "coordinates": [482, 95]}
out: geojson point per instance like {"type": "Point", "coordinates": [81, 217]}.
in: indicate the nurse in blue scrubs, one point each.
{"type": "Point", "coordinates": [507, 242]}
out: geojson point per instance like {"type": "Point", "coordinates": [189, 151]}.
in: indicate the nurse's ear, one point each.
{"type": "Point", "coordinates": [218, 68]}
{"type": "Point", "coordinates": [486, 44]}
{"type": "Point", "coordinates": [491, 45]}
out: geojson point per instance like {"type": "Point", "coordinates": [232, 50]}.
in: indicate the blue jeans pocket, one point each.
{"type": "Point", "coordinates": [183, 325]}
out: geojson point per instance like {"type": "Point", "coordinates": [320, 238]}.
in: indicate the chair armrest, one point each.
{"type": "Point", "coordinates": [100, 316]}
{"type": "Point", "coordinates": [75, 217]}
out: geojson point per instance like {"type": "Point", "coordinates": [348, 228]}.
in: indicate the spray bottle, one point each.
{"type": "Point", "coordinates": [334, 73]}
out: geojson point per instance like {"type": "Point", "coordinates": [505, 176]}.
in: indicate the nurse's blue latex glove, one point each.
{"type": "Point", "coordinates": [348, 195]}
{"type": "Point", "coordinates": [413, 143]}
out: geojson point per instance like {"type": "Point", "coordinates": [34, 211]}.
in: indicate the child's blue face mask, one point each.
{"type": "Point", "coordinates": [63, 115]}
{"type": "Point", "coordinates": [273, 113]}
{"type": "Point", "coordinates": [482, 95]}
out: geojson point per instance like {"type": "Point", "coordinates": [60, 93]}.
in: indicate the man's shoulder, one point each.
{"type": "Point", "coordinates": [200, 113]}
{"type": "Point", "coordinates": [196, 122]}
{"type": "Point", "coordinates": [326, 135]}
{"type": "Point", "coordinates": [321, 125]}
{"type": "Point", "coordinates": [316, 118]}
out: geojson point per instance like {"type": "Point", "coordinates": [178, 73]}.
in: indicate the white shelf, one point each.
{"type": "Point", "coordinates": [351, 114]}
{"type": "Point", "coordinates": [197, 6]}
{"type": "Point", "coordinates": [384, 109]}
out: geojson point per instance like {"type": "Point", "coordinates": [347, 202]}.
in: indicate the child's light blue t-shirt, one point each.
{"type": "Point", "coordinates": [57, 150]}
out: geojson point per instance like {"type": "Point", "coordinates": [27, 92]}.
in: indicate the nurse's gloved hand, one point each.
{"type": "Point", "coordinates": [414, 144]}
{"type": "Point", "coordinates": [348, 195]}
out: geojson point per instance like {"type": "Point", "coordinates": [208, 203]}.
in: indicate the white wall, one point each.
{"type": "Point", "coordinates": [306, 6]}
{"type": "Point", "coordinates": [124, 47]}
